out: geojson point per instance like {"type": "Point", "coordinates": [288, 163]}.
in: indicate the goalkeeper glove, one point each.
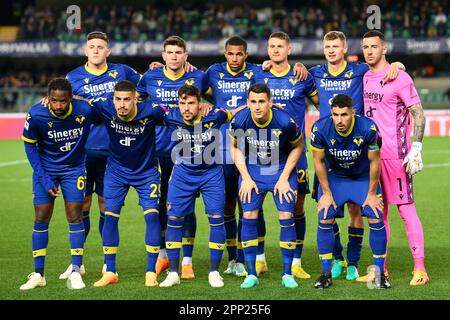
{"type": "Point", "coordinates": [413, 161]}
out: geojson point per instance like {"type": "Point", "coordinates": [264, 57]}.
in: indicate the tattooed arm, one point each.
{"type": "Point", "coordinates": [419, 121]}
{"type": "Point", "coordinates": [413, 161]}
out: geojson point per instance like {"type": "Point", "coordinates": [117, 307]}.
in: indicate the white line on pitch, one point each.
{"type": "Point", "coordinates": [437, 165]}
{"type": "Point", "coordinates": [12, 163]}
{"type": "Point", "coordinates": [15, 180]}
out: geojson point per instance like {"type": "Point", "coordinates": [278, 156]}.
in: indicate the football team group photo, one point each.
{"type": "Point", "coordinates": [225, 151]}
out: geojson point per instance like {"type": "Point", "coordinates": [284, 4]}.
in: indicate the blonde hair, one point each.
{"type": "Point", "coordinates": [281, 35]}
{"type": "Point", "coordinates": [98, 35]}
{"type": "Point", "coordinates": [333, 35]}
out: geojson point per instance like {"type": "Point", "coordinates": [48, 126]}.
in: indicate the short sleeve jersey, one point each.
{"type": "Point", "coordinates": [229, 89]}
{"type": "Point", "coordinates": [162, 88]}
{"type": "Point", "coordinates": [89, 84]}
{"type": "Point", "coordinates": [346, 154]}
{"type": "Point", "coordinates": [289, 92]}
{"type": "Point", "coordinates": [348, 80]}
{"type": "Point", "coordinates": [387, 103]}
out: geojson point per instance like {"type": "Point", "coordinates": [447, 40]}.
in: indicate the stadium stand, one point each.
{"type": "Point", "coordinates": [211, 21]}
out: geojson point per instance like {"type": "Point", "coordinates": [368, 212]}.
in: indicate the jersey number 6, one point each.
{"type": "Point", "coordinates": [81, 182]}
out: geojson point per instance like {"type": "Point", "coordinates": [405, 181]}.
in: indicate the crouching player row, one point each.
{"type": "Point", "coordinates": [346, 150]}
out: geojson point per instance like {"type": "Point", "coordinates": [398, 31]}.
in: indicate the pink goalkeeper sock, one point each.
{"type": "Point", "coordinates": [414, 233]}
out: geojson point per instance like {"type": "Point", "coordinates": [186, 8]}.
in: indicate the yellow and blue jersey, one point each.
{"type": "Point", "coordinates": [162, 88]}
{"type": "Point", "coordinates": [346, 154]}
{"type": "Point", "coordinates": [60, 139]}
{"type": "Point", "coordinates": [192, 139]}
{"type": "Point", "coordinates": [266, 144]}
{"type": "Point", "coordinates": [132, 141]}
{"type": "Point", "coordinates": [91, 84]}
{"type": "Point", "coordinates": [289, 92]}
{"type": "Point", "coordinates": [228, 88]}
{"type": "Point", "coordinates": [348, 80]}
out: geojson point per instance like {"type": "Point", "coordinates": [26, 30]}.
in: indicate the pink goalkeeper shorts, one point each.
{"type": "Point", "coordinates": [396, 184]}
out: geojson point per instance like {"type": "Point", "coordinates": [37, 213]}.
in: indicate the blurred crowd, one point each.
{"type": "Point", "coordinates": [22, 87]}
{"type": "Point", "coordinates": [209, 20]}
{"type": "Point", "coordinates": [25, 79]}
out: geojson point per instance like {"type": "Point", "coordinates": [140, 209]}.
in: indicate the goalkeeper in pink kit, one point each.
{"type": "Point", "coordinates": [389, 105]}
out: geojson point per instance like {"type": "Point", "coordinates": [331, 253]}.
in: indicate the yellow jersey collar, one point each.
{"type": "Point", "coordinates": [282, 73]}
{"type": "Point", "coordinates": [339, 71]}
{"type": "Point", "coordinates": [171, 77]}
{"type": "Point", "coordinates": [95, 72]}
{"type": "Point", "coordinates": [265, 124]}
{"type": "Point", "coordinates": [194, 122]}
{"type": "Point", "coordinates": [64, 116]}
{"type": "Point", "coordinates": [349, 130]}
{"type": "Point", "coordinates": [236, 73]}
{"type": "Point", "coordinates": [135, 111]}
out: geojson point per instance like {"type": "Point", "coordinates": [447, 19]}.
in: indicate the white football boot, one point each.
{"type": "Point", "coordinates": [34, 280]}
{"type": "Point", "coordinates": [172, 279]}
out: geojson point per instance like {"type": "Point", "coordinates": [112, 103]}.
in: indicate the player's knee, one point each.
{"type": "Point", "coordinates": [250, 214]}
{"type": "Point", "coordinates": [354, 210]}
{"type": "Point", "coordinates": [42, 219]}
{"type": "Point", "coordinates": [300, 204]}
{"type": "Point", "coordinates": [356, 220]}
{"type": "Point", "coordinates": [327, 221]}
{"type": "Point", "coordinates": [175, 218]}
{"type": "Point", "coordinates": [74, 212]}
{"type": "Point", "coordinates": [74, 215]}
{"type": "Point", "coordinates": [74, 219]}
{"type": "Point", "coordinates": [87, 202]}
{"type": "Point", "coordinates": [371, 221]}
{"type": "Point", "coordinates": [230, 207]}
{"type": "Point", "coordinates": [285, 215]}
{"type": "Point", "coordinates": [215, 216]}
{"type": "Point", "coordinates": [101, 203]}
{"type": "Point", "coordinates": [43, 213]}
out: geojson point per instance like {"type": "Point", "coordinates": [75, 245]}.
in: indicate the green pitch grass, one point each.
{"type": "Point", "coordinates": [432, 200]}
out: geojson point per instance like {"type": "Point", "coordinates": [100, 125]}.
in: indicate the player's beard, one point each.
{"type": "Point", "coordinates": [374, 61]}
{"type": "Point", "coordinates": [61, 112]}
{"type": "Point", "coordinates": [176, 68]}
